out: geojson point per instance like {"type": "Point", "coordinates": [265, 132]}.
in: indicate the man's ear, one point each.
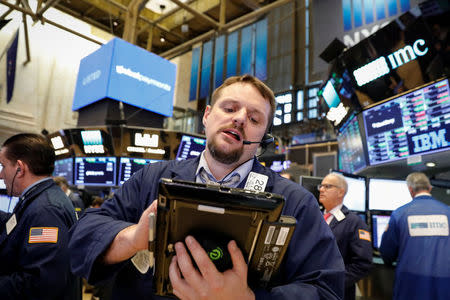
{"type": "Point", "coordinates": [206, 114]}
{"type": "Point", "coordinates": [21, 167]}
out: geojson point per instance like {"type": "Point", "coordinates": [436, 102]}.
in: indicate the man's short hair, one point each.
{"type": "Point", "coordinates": [341, 181]}
{"type": "Point", "coordinates": [61, 181]}
{"type": "Point", "coordinates": [418, 182]}
{"type": "Point", "coordinates": [262, 88]}
{"type": "Point", "coordinates": [34, 150]}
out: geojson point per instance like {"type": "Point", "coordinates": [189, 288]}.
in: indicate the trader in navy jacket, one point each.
{"type": "Point", "coordinates": [352, 235]}
{"type": "Point", "coordinates": [105, 240]}
{"type": "Point", "coordinates": [418, 238]}
{"type": "Point", "coordinates": [34, 237]}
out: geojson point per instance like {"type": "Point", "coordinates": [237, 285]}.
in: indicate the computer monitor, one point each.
{"type": "Point", "coordinates": [387, 194]}
{"type": "Point", "coordinates": [355, 199]}
{"type": "Point", "coordinates": [8, 203]}
{"type": "Point", "coordinates": [310, 183]}
{"type": "Point", "coordinates": [128, 166]}
{"type": "Point", "coordinates": [95, 171]}
{"type": "Point", "coordinates": [352, 157]}
{"type": "Point", "coordinates": [64, 168]}
{"type": "Point", "coordinates": [2, 184]}
{"type": "Point", "coordinates": [379, 225]}
{"type": "Point", "coordinates": [190, 146]}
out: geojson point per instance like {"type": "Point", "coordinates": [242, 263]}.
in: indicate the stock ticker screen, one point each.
{"type": "Point", "coordinates": [64, 168]}
{"type": "Point", "coordinates": [95, 171]}
{"type": "Point", "coordinates": [128, 166]}
{"type": "Point", "coordinates": [190, 146]}
{"type": "Point", "coordinates": [414, 123]}
{"type": "Point", "coordinates": [351, 151]}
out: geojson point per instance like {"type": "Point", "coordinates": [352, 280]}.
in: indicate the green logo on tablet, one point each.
{"type": "Point", "coordinates": [216, 254]}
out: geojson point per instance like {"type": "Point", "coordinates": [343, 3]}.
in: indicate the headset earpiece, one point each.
{"type": "Point", "coordinates": [18, 170]}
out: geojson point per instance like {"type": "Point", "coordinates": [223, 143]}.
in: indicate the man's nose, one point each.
{"type": "Point", "coordinates": [240, 117]}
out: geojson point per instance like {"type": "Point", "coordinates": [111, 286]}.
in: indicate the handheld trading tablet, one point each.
{"type": "Point", "coordinates": [214, 215]}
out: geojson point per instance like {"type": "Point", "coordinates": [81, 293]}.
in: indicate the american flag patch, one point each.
{"type": "Point", "coordinates": [43, 235]}
{"type": "Point", "coordinates": [364, 235]}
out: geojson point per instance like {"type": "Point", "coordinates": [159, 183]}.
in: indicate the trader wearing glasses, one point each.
{"type": "Point", "coordinates": [352, 235]}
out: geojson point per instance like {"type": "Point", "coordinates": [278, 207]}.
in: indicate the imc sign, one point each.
{"type": "Point", "coordinates": [127, 73]}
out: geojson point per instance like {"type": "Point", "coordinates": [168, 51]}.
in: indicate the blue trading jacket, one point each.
{"type": "Point", "coordinates": [313, 269]}
{"type": "Point", "coordinates": [38, 270]}
{"type": "Point", "coordinates": [353, 240]}
{"type": "Point", "coordinates": [423, 260]}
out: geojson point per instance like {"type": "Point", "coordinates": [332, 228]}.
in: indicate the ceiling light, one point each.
{"type": "Point", "coordinates": [184, 28]}
{"type": "Point", "coordinates": [430, 164]}
{"type": "Point", "coordinates": [115, 23]}
{"type": "Point", "coordinates": [162, 39]}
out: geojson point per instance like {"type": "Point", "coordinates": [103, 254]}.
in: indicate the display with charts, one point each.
{"type": "Point", "coordinates": [128, 166]}
{"type": "Point", "coordinates": [190, 146]}
{"type": "Point", "coordinates": [387, 194]}
{"type": "Point", "coordinates": [96, 171]}
{"type": "Point", "coordinates": [64, 168]}
{"type": "Point", "coordinates": [379, 225]}
{"type": "Point", "coordinates": [414, 123]}
{"type": "Point", "coordinates": [351, 152]}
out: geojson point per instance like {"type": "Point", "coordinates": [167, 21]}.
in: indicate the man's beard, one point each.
{"type": "Point", "coordinates": [223, 157]}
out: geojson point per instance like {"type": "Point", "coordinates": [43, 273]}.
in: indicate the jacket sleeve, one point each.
{"type": "Point", "coordinates": [313, 267]}
{"type": "Point", "coordinates": [43, 269]}
{"type": "Point", "coordinates": [98, 227]}
{"type": "Point", "coordinates": [360, 253]}
{"type": "Point", "coordinates": [389, 242]}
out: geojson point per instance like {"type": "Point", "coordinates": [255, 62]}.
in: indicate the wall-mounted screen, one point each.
{"type": "Point", "coordinates": [64, 168]}
{"type": "Point", "coordinates": [387, 194]}
{"type": "Point", "coordinates": [352, 157]}
{"type": "Point", "coordinates": [414, 123]}
{"type": "Point", "coordinates": [7, 203]}
{"type": "Point", "coordinates": [379, 225]}
{"type": "Point", "coordinates": [190, 146]}
{"type": "Point", "coordinates": [128, 166]}
{"type": "Point", "coordinates": [98, 171]}
{"type": "Point", "coordinates": [355, 199]}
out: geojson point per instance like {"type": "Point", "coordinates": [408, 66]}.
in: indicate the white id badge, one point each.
{"type": "Point", "coordinates": [256, 182]}
{"type": "Point", "coordinates": [11, 224]}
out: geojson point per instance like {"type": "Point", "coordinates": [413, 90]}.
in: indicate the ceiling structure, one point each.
{"type": "Point", "coordinates": [165, 27]}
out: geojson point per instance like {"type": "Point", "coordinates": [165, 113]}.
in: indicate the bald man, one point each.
{"type": "Point", "coordinates": [352, 235]}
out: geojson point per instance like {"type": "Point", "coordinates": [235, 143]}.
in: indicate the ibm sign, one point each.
{"type": "Point", "coordinates": [366, 12]}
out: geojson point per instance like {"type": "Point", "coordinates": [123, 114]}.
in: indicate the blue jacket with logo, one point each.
{"type": "Point", "coordinates": [313, 268]}
{"type": "Point", "coordinates": [38, 270]}
{"type": "Point", "coordinates": [421, 250]}
{"type": "Point", "coordinates": [353, 239]}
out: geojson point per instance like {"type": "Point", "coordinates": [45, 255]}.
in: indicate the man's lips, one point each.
{"type": "Point", "coordinates": [233, 133]}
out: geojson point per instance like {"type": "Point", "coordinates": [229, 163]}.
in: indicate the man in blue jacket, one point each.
{"type": "Point", "coordinates": [418, 238]}
{"type": "Point", "coordinates": [105, 239]}
{"type": "Point", "coordinates": [352, 235]}
{"type": "Point", "coordinates": [34, 237]}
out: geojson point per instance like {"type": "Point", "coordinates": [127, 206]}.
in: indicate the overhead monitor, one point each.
{"type": "Point", "coordinates": [8, 203]}
{"type": "Point", "coordinates": [280, 165]}
{"type": "Point", "coordinates": [330, 95]}
{"type": "Point", "coordinates": [352, 157]}
{"type": "Point", "coordinates": [64, 168]}
{"type": "Point", "coordinates": [128, 166]}
{"type": "Point", "coordinates": [95, 171]}
{"type": "Point", "coordinates": [190, 146]}
{"type": "Point", "coordinates": [414, 123]}
{"type": "Point", "coordinates": [310, 183]}
{"type": "Point", "coordinates": [379, 225]}
{"type": "Point", "coordinates": [355, 199]}
{"type": "Point", "coordinates": [387, 194]}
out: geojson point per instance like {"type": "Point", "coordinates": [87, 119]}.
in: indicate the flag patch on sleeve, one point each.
{"type": "Point", "coordinates": [364, 235]}
{"type": "Point", "coordinates": [43, 235]}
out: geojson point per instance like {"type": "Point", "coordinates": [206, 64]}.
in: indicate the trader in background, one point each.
{"type": "Point", "coordinates": [33, 241]}
{"type": "Point", "coordinates": [418, 238]}
{"type": "Point", "coordinates": [105, 240]}
{"type": "Point", "coordinates": [74, 197]}
{"type": "Point", "coordinates": [352, 235]}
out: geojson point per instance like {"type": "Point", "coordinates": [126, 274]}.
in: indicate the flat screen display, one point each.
{"type": "Point", "coordinates": [190, 146]}
{"type": "Point", "coordinates": [330, 95]}
{"type": "Point", "coordinates": [352, 157]}
{"type": "Point", "coordinates": [414, 123]}
{"type": "Point", "coordinates": [387, 194]}
{"type": "Point", "coordinates": [2, 184]}
{"type": "Point", "coordinates": [64, 168]}
{"type": "Point", "coordinates": [7, 203]}
{"type": "Point", "coordinates": [310, 183]}
{"type": "Point", "coordinates": [355, 199]}
{"type": "Point", "coordinates": [96, 171]}
{"type": "Point", "coordinates": [379, 225]}
{"type": "Point", "coordinates": [128, 166]}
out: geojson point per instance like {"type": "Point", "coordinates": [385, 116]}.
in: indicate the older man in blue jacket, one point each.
{"type": "Point", "coordinates": [418, 238]}
{"type": "Point", "coordinates": [34, 237]}
{"type": "Point", "coordinates": [105, 239]}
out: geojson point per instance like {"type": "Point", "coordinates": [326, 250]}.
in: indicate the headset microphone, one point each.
{"type": "Point", "coordinates": [266, 140]}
